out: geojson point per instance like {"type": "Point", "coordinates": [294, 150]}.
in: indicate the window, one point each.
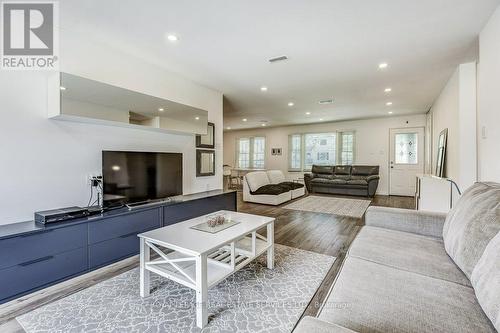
{"type": "Point", "coordinates": [320, 149]}
{"type": "Point", "coordinates": [346, 148]}
{"type": "Point", "coordinates": [244, 153]}
{"type": "Point", "coordinates": [250, 153]}
{"type": "Point", "coordinates": [259, 151]}
{"type": "Point", "coordinates": [406, 148]}
{"type": "Point", "coordinates": [295, 152]}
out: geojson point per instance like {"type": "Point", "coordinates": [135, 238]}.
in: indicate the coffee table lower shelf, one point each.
{"type": "Point", "coordinates": [202, 271]}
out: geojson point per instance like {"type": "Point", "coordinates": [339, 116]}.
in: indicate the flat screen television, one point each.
{"type": "Point", "coordinates": [135, 177]}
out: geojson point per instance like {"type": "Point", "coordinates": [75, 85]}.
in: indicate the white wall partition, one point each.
{"type": "Point", "coordinates": [455, 110]}
{"type": "Point", "coordinates": [489, 100]}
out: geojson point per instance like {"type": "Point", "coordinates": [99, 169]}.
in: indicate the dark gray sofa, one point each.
{"type": "Point", "coordinates": [343, 179]}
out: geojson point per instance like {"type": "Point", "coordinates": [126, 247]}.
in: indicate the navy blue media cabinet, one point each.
{"type": "Point", "coordinates": [33, 256]}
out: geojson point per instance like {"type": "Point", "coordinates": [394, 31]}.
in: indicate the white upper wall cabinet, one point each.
{"type": "Point", "coordinates": [74, 98]}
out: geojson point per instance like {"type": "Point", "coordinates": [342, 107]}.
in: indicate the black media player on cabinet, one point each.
{"type": "Point", "coordinates": [33, 256]}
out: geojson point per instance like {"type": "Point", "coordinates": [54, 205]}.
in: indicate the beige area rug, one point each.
{"type": "Point", "coordinates": [337, 206]}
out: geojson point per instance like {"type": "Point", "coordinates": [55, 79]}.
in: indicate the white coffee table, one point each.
{"type": "Point", "coordinates": [200, 260]}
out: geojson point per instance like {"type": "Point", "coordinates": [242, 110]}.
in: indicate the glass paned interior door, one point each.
{"type": "Point", "coordinates": [406, 148]}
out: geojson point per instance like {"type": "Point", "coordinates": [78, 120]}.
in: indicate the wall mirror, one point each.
{"type": "Point", "coordinates": [84, 100]}
{"type": "Point", "coordinates": [441, 153]}
{"type": "Point", "coordinates": [205, 163]}
{"type": "Point", "coordinates": [208, 140]}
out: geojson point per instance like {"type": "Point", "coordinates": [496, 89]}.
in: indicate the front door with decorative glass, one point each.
{"type": "Point", "coordinates": [406, 159]}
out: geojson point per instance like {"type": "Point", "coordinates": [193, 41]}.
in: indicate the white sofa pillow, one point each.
{"type": "Point", "coordinates": [276, 176]}
{"type": "Point", "coordinates": [256, 180]}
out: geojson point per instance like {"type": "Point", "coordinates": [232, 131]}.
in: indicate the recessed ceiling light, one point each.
{"type": "Point", "coordinates": [197, 118]}
{"type": "Point", "coordinates": [320, 119]}
{"type": "Point", "coordinates": [387, 90]}
{"type": "Point", "coordinates": [244, 119]}
{"type": "Point", "coordinates": [263, 125]}
{"type": "Point", "coordinates": [383, 65]}
{"type": "Point", "coordinates": [263, 88]}
{"type": "Point", "coordinates": [308, 113]}
{"type": "Point", "coordinates": [390, 112]}
{"type": "Point", "coordinates": [172, 38]}
{"type": "Point", "coordinates": [228, 128]}
{"type": "Point", "coordinates": [161, 109]}
{"type": "Point", "coordinates": [62, 88]}
{"type": "Point", "coordinates": [291, 104]}
{"type": "Point", "coordinates": [388, 103]}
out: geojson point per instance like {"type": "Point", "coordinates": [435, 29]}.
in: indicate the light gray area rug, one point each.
{"type": "Point", "coordinates": [337, 206]}
{"type": "Point", "coordinates": [254, 299]}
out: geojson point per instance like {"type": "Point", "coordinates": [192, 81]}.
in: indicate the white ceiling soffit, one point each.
{"type": "Point", "coordinates": [333, 47]}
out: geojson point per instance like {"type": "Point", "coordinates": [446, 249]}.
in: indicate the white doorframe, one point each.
{"type": "Point", "coordinates": [418, 169]}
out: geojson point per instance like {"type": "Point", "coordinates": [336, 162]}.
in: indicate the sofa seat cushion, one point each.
{"type": "Point", "coordinates": [486, 281]}
{"type": "Point", "coordinates": [326, 182]}
{"type": "Point", "coordinates": [361, 182]}
{"type": "Point", "coordinates": [342, 177]}
{"type": "Point", "coordinates": [292, 185]}
{"type": "Point", "coordinates": [257, 179]}
{"type": "Point", "coordinates": [411, 252]}
{"type": "Point", "coordinates": [370, 297]}
{"type": "Point", "coordinates": [471, 224]}
{"type": "Point", "coordinates": [271, 189]}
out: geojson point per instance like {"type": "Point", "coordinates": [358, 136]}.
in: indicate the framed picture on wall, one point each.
{"type": "Point", "coordinates": [205, 163]}
{"type": "Point", "coordinates": [207, 140]}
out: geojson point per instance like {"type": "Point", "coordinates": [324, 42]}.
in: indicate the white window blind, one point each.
{"type": "Point", "coordinates": [250, 153]}
{"type": "Point", "coordinates": [295, 152]}
{"type": "Point", "coordinates": [346, 148]}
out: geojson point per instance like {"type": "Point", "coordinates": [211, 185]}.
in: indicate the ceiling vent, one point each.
{"type": "Point", "coordinates": [326, 101]}
{"type": "Point", "coordinates": [280, 58]}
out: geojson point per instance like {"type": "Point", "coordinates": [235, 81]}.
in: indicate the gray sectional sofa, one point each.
{"type": "Point", "coordinates": [343, 179]}
{"type": "Point", "coordinates": [413, 271]}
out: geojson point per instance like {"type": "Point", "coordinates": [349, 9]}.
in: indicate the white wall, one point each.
{"type": "Point", "coordinates": [372, 142]}
{"type": "Point", "coordinates": [489, 100]}
{"type": "Point", "coordinates": [445, 115]}
{"type": "Point", "coordinates": [455, 109]}
{"type": "Point", "coordinates": [45, 163]}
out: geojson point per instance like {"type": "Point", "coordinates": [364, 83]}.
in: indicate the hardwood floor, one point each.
{"type": "Point", "coordinates": [317, 232]}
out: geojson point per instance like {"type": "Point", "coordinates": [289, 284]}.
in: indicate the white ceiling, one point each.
{"type": "Point", "coordinates": [334, 48]}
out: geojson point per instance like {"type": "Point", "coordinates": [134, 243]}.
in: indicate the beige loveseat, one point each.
{"type": "Point", "coordinates": [413, 271]}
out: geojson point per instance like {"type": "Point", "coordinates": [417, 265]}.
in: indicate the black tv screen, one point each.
{"type": "Point", "coordinates": [133, 177]}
